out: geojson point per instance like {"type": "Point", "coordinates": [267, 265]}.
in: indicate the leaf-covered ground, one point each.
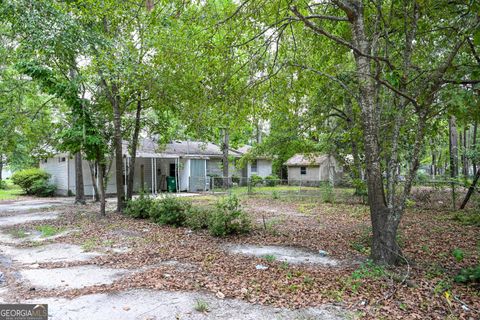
{"type": "Point", "coordinates": [179, 259]}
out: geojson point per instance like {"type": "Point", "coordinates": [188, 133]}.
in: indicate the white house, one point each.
{"type": "Point", "coordinates": [311, 169]}
{"type": "Point", "coordinates": [190, 164]}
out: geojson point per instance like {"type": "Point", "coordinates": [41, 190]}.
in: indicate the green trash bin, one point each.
{"type": "Point", "coordinates": [171, 184]}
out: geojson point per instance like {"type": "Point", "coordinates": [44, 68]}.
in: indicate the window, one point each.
{"type": "Point", "coordinates": [254, 166]}
{"type": "Point", "coordinates": [62, 159]}
{"type": "Point", "coordinates": [44, 160]}
{"type": "Point", "coordinates": [303, 170]}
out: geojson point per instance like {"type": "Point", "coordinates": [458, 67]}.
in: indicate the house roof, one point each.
{"type": "Point", "coordinates": [148, 148]}
{"type": "Point", "coordinates": [306, 159]}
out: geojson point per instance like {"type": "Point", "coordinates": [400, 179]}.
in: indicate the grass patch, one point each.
{"type": "Point", "coordinates": [270, 257]}
{"type": "Point", "coordinates": [11, 192]}
{"type": "Point", "coordinates": [19, 233]}
{"type": "Point", "coordinates": [201, 306]}
{"type": "Point", "coordinates": [48, 230]}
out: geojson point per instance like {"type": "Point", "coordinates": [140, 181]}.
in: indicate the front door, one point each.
{"type": "Point", "coordinates": [197, 175]}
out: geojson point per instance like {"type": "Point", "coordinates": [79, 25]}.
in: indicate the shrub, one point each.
{"type": "Point", "coordinates": [25, 179]}
{"type": "Point", "coordinates": [198, 217]}
{"type": "Point", "coordinates": [256, 180]}
{"type": "Point", "coordinates": [42, 188]}
{"type": "Point", "coordinates": [228, 218]}
{"type": "Point", "coordinates": [170, 211]}
{"type": "Point", "coordinates": [140, 208]}
{"type": "Point", "coordinates": [3, 185]}
{"type": "Point", "coordinates": [468, 275]}
{"type": "Point", "coordinates": [271, 180]}
{"type": "Point", "coordinates": [328, 195]}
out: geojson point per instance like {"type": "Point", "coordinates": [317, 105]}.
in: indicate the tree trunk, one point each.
{"type": "Point", "coordinates": [79, 186]}
{"type": "Point", "coordinates": [470, 190]}
{"type": "Point", "coordinates": [434, 165]}
{"type": "Point", "coordinates": [1, 166]}
{"type": "Point", "coordinates": [464, 152]}
{"type": "Point", "coordinates": [101, 182]}
{"type": "Point", "coordinates": [94, 181]}
{"type": "Point", "coordinates": [133, 153]}
{"type": "Point", "coordinates": [453, 147]}
{"type": "Point", "coordinates": [117, 123]}
{"type": "Point", "coordinates": [385, 249]}
{"type": "Point", "coordinates": [225, 162]}
{"type": "Point", "coordinates": [474, 145]}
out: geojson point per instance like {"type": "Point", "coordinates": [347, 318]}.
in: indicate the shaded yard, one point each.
{"type": "Point", "coordinates": [178, 259]}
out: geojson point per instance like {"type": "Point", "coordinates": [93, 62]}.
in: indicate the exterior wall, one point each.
{"type": "Point", "coordinates": [312, 174]}
{"type": "Point", "coordinates": [6, 173]}
{"type": "Point", "coordinates": [58, 173]}
{"type": "Point", "coordinates": [214, 168]}
{"type": "Point", "coordinates": [264, 168]}
{"type": "Point", "coordinates": [327, 171]}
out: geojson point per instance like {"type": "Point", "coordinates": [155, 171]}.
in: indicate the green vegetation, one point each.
{"type": "Point", "coordinates": [10, 191]}
{"type": "Point", "coordinates": [469, 275]}
{"type": "Point", "coordinates": [140, 208]}
{"type": "Point", "coordinates": [201, 306]}
{"type": "Point", "coordinates": [270, 257]}
{"type": "Point", "coordinates": [48, 230]}
{"type": "Point", "coordinates": [34, 181]}
{"type": "Point", "coordinates": [170, 211]}
{"type": "Point", "coordinates": [468, 218]}
{"type": "Point", "coordinates": [225, 218]}
{"type": "Point", "coordinates": [19, 233]}
{"type": "Point", "coordinates": [228, 218]}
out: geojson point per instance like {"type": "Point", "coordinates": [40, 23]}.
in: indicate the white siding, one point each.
{"type": "Point", "coordinates": [58, 173]}
{"type": "Point", "coordinates": [264, 168]}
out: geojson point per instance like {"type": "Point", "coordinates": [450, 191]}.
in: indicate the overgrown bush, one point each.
{"type": "Point", "coordinates": [228, 218]}
{"type": "Point", "coordinates": [271, 180]}
{"type": "Point", "coordinates": [31, 180]}
{"type": "Point", "coordinates": [171, 211]}
{"type": "Point", "coordinates": [3, 185]}
{"type": "Point", "coordinates": [198, 217]}
{"type": "Point", "coordinates": [140, 208]}
{"type": "Point", "coordinates": [43, 188]}
{"type": "Point", "coordinates": [256, 180]}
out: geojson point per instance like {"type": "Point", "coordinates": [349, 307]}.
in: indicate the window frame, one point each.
{"type": "Point", "coordinates": [254, 166]}
{"type": "Point", "coordinates": [303, 171]}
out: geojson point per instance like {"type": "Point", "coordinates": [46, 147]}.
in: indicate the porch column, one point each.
{"type": "Point", "coordinates": [151, 181]}
{"type": "Point", "coordinates": [155, 173]}
{"type": "Point", "coordinates": [126, 175]}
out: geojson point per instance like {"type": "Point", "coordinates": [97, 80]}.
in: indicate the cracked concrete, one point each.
{"type": "Point", "coordinates": [172, 305]}
{"type": "Point", "coordinates": [7, 221]}
{"type": "Point", "coordinates": [72, 277]}
{"type": "Point", "coordinates": [56, 252]}
{"type": "Point", "coordinates": [288, 254]}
